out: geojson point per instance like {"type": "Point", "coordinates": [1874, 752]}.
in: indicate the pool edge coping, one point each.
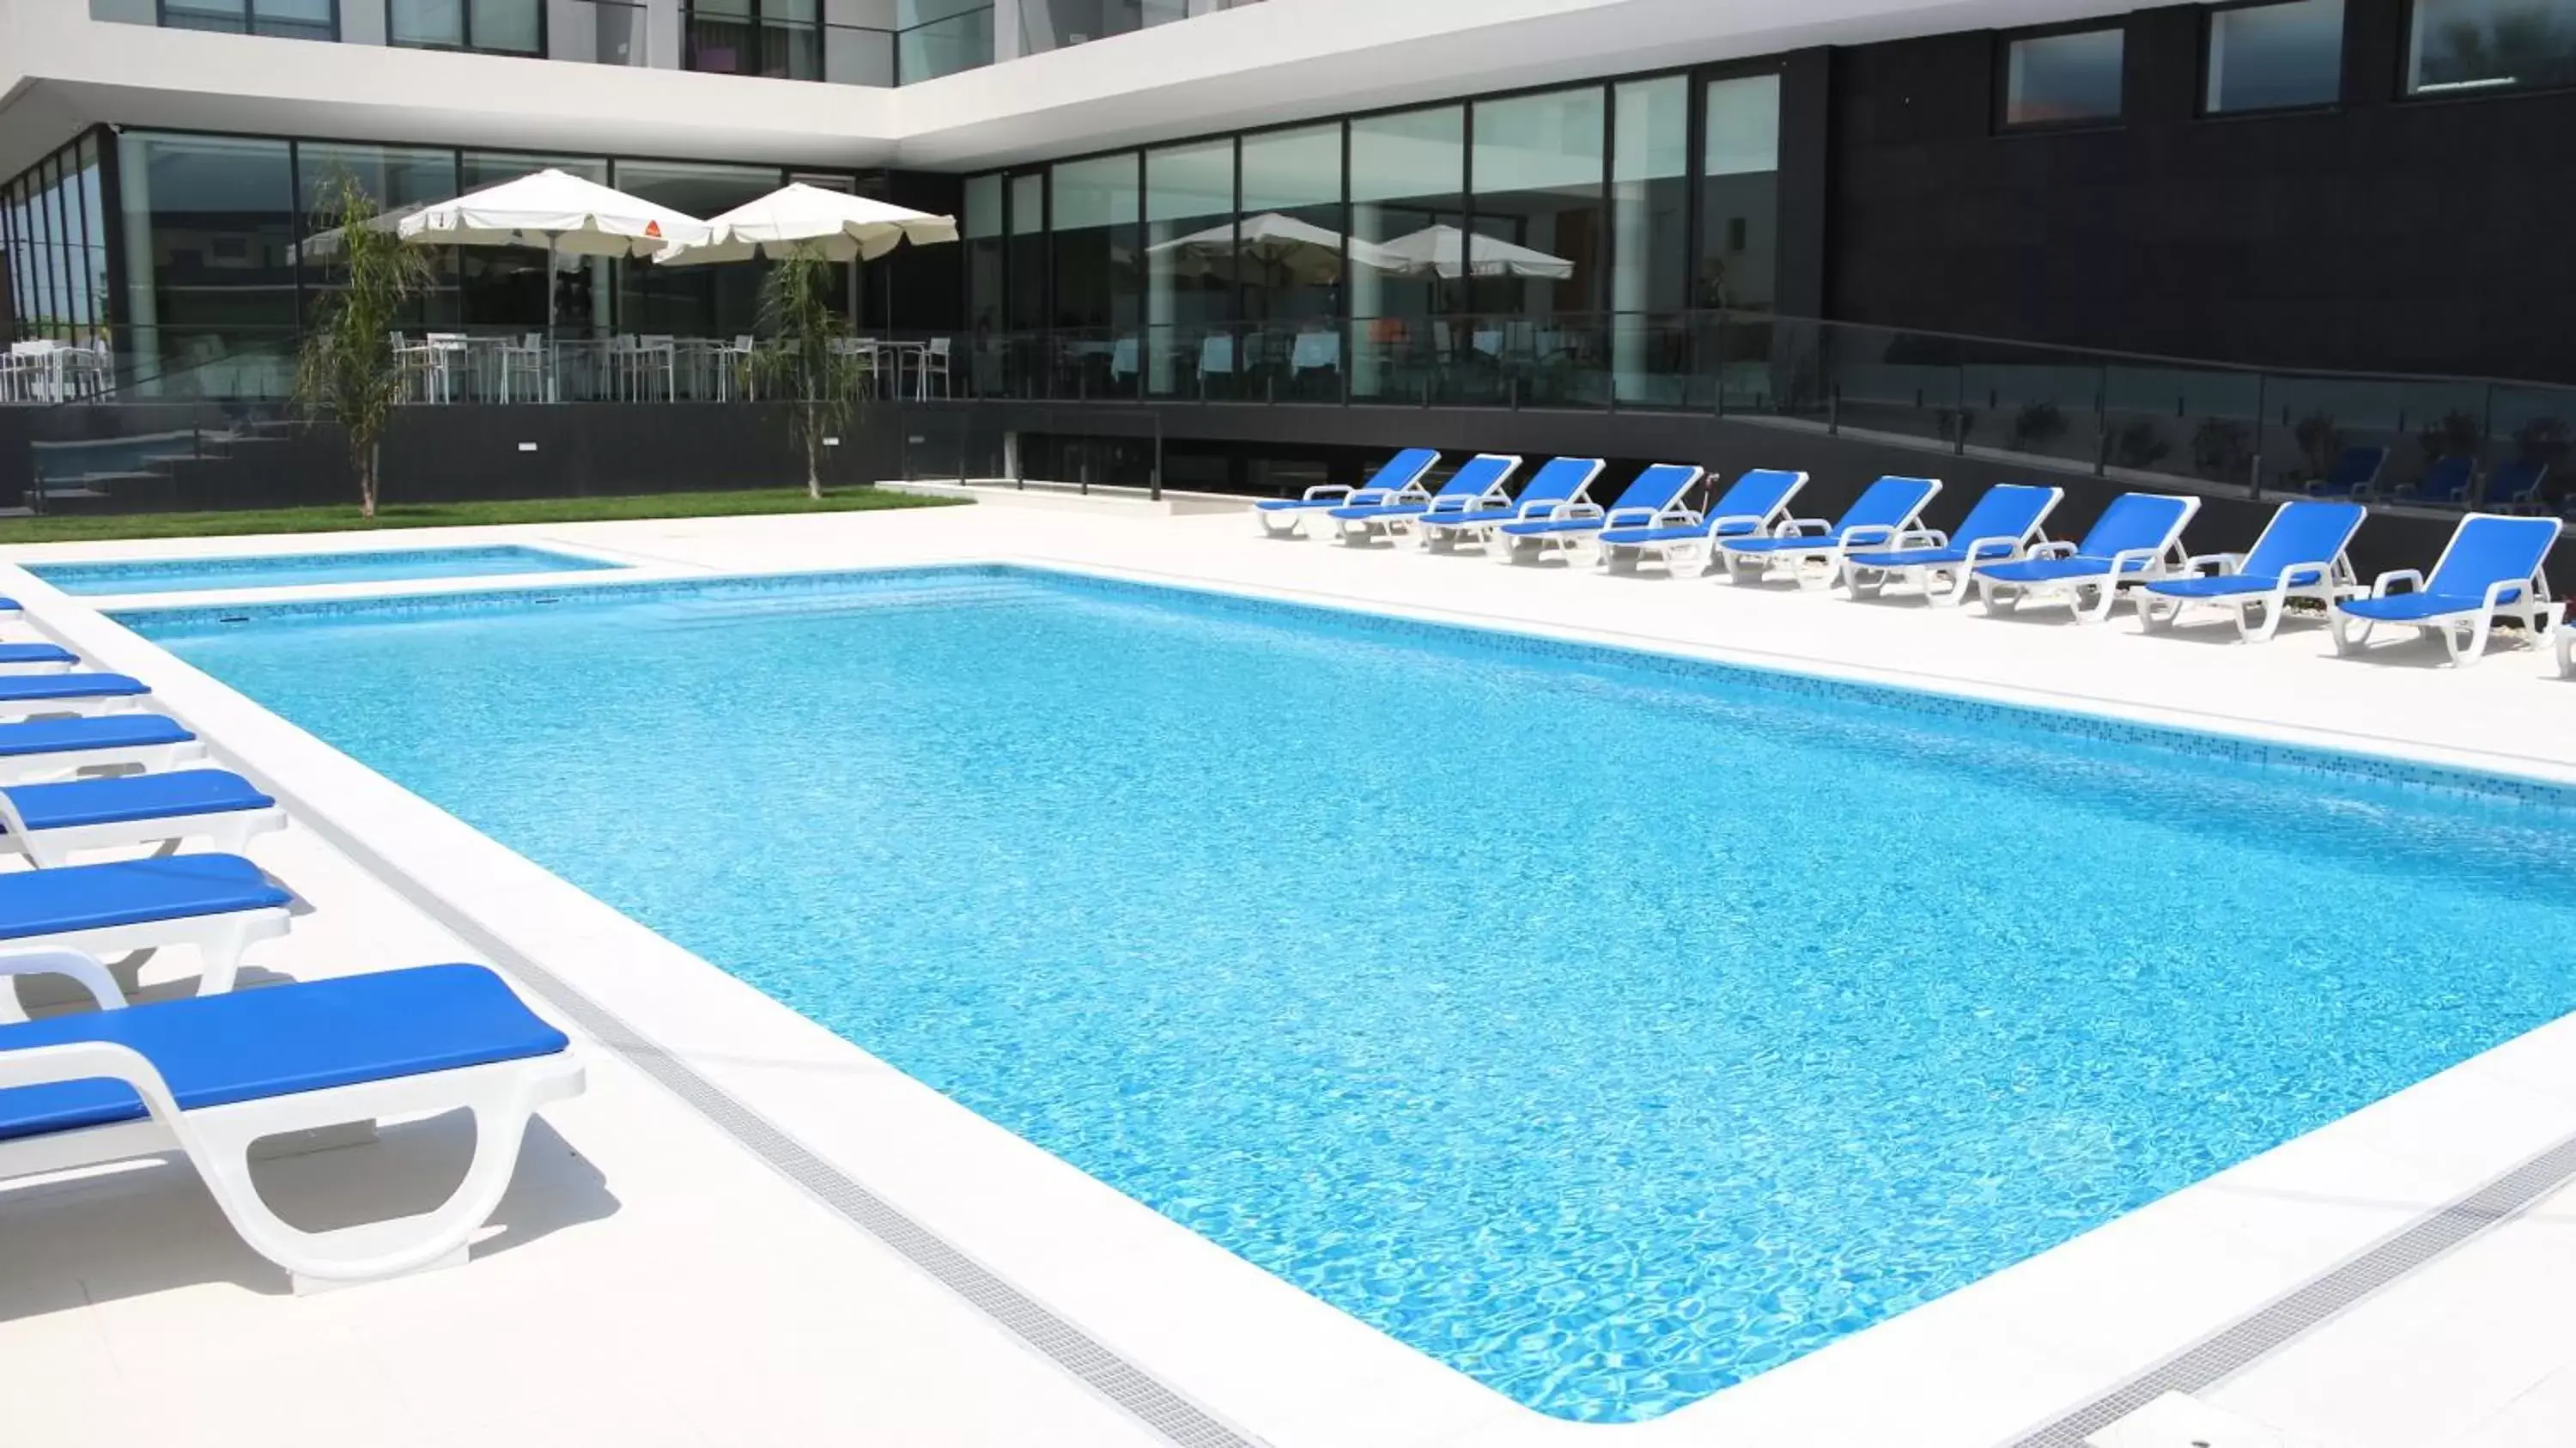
{"type": "Point", "coordinates": [227, 717]}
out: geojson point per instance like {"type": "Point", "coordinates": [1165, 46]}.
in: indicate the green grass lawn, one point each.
{"type": "Point", "coordinates": [79, 528]}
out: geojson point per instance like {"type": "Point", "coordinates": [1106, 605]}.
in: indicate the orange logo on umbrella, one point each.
{"type": "Point", "coordinates": [653, 228]}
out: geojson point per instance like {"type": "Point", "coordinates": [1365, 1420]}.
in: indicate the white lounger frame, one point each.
{"type": "Point", "coordinates": [226, 831]}
{"type": "Point", "coordinates": [71, 763]}
{"type": "Point", "coordinates": [1694, 553]}
{"type": "Point", "coordinates": [2162, 562]}
{"type": "Point", "coordinates": [1962, 575]}
{"type": "Point", "coordinates": [2327, 584]}
{"type": "Point", "coordinates": [52, 666]}
{"type": "Point", "coordinates": [2463, 632]}
{"type": "Point", "coordinates": [217, 1140]}
{"type": "Point", "coordinates": [1478, 529]}
{"type": "Point", "coordinates": [1814, 568]}
{"type": "Point", "coordinates": [220, 940]}
{"type": "Point", "coordinates": [1325, 496]}
{"type": "Point", "coordinates": [1536, 549]}
{"type": "Point", "coordinates": [1359, 532]}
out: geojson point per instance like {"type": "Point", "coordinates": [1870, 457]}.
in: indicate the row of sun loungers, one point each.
{"type": "Point", "coordinates": [2492, 568]}
{"type": "Point", "coordinates": [85, 767]}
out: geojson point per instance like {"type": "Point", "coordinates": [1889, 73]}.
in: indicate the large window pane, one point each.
{"type": "Point", "coordinates": [508, 286]}
{"type": "Point", "coordinates": [209, 222]}
{"type": "Point", "coordinates": [691, 301]}
{"type": "Point", "coordinates": [425, 22]}
{"type": "Point", "coordinates": [1190, 262]}
{"type": "Point", "coordinates": [1650, 264]}
{"type": "Point", "coordinates": [224, 16]}
{"type": "Point", "coordinates": [398, 179]}
{"type": "Point", "coordinates": [2060, 79]}
{"type": "Point", "coordinates": [1028, 252]}
{"type": "Point", "coordinates": [294, 19]}
{"type": "Point", "coordinates": [46, 255]}
{"type": "Point", "coordinates": [983, 237]}
{"type": "Point", "coordinates": [1740, 194]}
{"type": "Point", "coordinates": [1408, 176]}
{"type": "Point", "coordinates": [2266, 56]}
{"type": "Point", "coordinates": [942, 37]}
{"type": "Point", "coordinates": [2459, 45]}
{"type": "Point", "coordinates": [1093, 235]}
{"type": "Point", "coordinates": [1537, 206]}
{"type": "Point", "coordinates": [95, 217]}
{"type": "Point", "coordinates": [516, 26]}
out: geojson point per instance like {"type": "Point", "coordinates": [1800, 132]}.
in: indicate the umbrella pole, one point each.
{"type": "Point", "coordinates": [553, 361]}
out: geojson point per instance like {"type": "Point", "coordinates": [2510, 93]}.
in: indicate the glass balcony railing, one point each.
{"type": "Point", "coordinates": [2141, 418]}
{"type": "Point", "coordinates": [1055, 24]}
{"type": "Point", "coordinates": [945, 46]}
{"type": "Point", "coordinates": [959, 39]}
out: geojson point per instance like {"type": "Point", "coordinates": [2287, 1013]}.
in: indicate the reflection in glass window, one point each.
{"type": "Point", "coordinates": [691, 301]}
{"type": "Point", "coordinates": [210, 223]}
{"type": "Point", "coordinates": [1292, 270]}
{"type": "Point", "coordinates": [1190, 264]}
{"type": "Point", "coordinates": [1028, 252]}
{"type": "Point", "coordinates": [1740, 194]}
{"type": "Point", "coordinates": [1649, 201]}
{"type": "Point", "coordinates": [1408, 176]}
{"type": "Point", "coordinates": [1093, 231]}
{"type": "Point", "coordinates": [294, 19]}
{"type": "Point", "coordinates": [509, 27]}
{"type": "Point", "coordinates": [2058, 79]}
{"type": "Point", "coordinates": [1538, 206]}
{"type": "Point", "coordinates": [399, 178]}
{"type": "Point", "coordinates": [2465, 45]}
{"type": "Point", "coordinates": [2263, 57]}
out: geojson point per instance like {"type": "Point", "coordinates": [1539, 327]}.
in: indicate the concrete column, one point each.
{"type": "Point", "coordinates": [662, 23]}
{"type": "Point", "coordinates": [1006, 30]}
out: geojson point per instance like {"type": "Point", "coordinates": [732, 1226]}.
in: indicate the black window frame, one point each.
{"type": "Point", "coordinates": [2209, 45]}
{"type": "Point", "coordinates": [2000, 106]}
{"type": "Point", "coordinates": [545, 38]}
{"type": "Point", "coordinates": [250, 22]}
{"type": "Point", "coordinates": [2407, 95]}
{"type": "Point", "coordinates": [757, 20]}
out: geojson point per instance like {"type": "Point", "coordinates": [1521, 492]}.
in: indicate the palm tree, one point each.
{"type": "Point", "coordinates": [806, 359]}
{"type": "Point", "coordinates": [349, 370]}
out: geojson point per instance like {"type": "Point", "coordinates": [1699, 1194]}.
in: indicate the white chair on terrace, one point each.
{"type": "Point", "coordinates": [523, 365]}
{"type": "Point", "coordinates": [934, 359]}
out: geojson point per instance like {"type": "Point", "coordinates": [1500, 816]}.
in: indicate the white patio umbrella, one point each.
{"type": "Point", "coordinates": [1451, 253]}
{"type": "Point", "coordinates": [1291, 250]}
{"type": "Point", "coordinates": [802, 219]}
{"type": "Point", "coordinates": [558, 211]}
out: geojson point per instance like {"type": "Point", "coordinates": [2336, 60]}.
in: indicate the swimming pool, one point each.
{"type": "Point", "coordinates": [294, 570]}
{"type": "Point", "coordinates": [1612, 1029]}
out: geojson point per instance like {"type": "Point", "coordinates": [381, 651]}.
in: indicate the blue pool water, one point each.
{"type": "Point", "coordinates": [295, 570]}
{"type": "Point", "coordinates": [1612, 1032]}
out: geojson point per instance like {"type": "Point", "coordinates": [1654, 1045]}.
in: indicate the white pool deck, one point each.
{"type": "Point", "coordinates": [651, 1280]}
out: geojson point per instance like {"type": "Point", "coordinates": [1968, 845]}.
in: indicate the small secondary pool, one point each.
{"type": "Point", "coordinates": [295, 570]}
{"type": "Point", "coordinates": [1611, 1028]}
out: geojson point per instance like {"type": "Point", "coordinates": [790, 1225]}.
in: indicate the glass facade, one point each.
{"type": "Point", "coordinates": [1545, 247]}
{"type": "Point", "coordinates": [53, 249]}
{"type": "Point", "coordinates": [210, 226]}
{"type": "Point", "coordinates": [2470, 45]}
{"type": "Point", "coordinates": [503, 27]}
{"type": "Point", "coordinates": [691, 301]}
{"type": "Point", "coordinates": [2266, 57]}
{"type": "Point", "coordinates": [2064, 79]}
{"type": "Point", "coordinates": [293, 19]}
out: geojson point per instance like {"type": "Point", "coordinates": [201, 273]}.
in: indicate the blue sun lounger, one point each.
{"type": "Point", "coordinates": [2354, 474]}
{"type": "Point", "coordinates": [1653, 496]}
{"type": "Point", "coordinates": [1754, 504]}
{"type": "Point", "coordinates": [37, 658]}
{"type": "Point", "coordinates": [2001, 527]}
{"type": "Point", "coordinates": [212, 1075]}
{"type": "Point", "coordinates": [1482, 481]}
{"type": "Point", "coordinates": [2447, 481]}
{"type": "Point", "coordinates": [1812, 549]}
{"type": "Point", "coordinates": [2300, 555]}
{"type": "Point", "coordinates": [2137, 538]}
{"type": "Point", "coordinates": [2492, 565]}
{"type": "Point", "coordinates": [49, 822]}
{"type": "Point", "coordinates": [2517, 485]}
{"type": "Point", "coordinates": [24, 696]}
{"type": "Point", "coordinates": [220, 904]}
{"type": "Point", "coordinates": [1399, 481]}
{"type": "Point", "coordinates": [1551, 491]}
{"type": "Point", "coordinates": [61, 748]}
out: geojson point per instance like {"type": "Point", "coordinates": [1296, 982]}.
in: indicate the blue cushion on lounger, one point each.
{"type": "Point", "coordinates": [2406, 607]}
{"type": "Point", "coordinates": [251, 1044]}
{"type": "Point", "coordinates": [2225, 585]}
{"type": "Point", "coordinates": [8, 605]}
{"type": "Point", "coordinates": [37, 654]}
{"type": "Point", "coordinates": [2046, 570]}
{"type": "Point", "coordinates": [131, 797]}
{"type": "Point", "coordinates": [131, 892]}
{"type": "Point", "coordinates": [36, 688]}
{"type": "Point", "coordinates": [108, 731]}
